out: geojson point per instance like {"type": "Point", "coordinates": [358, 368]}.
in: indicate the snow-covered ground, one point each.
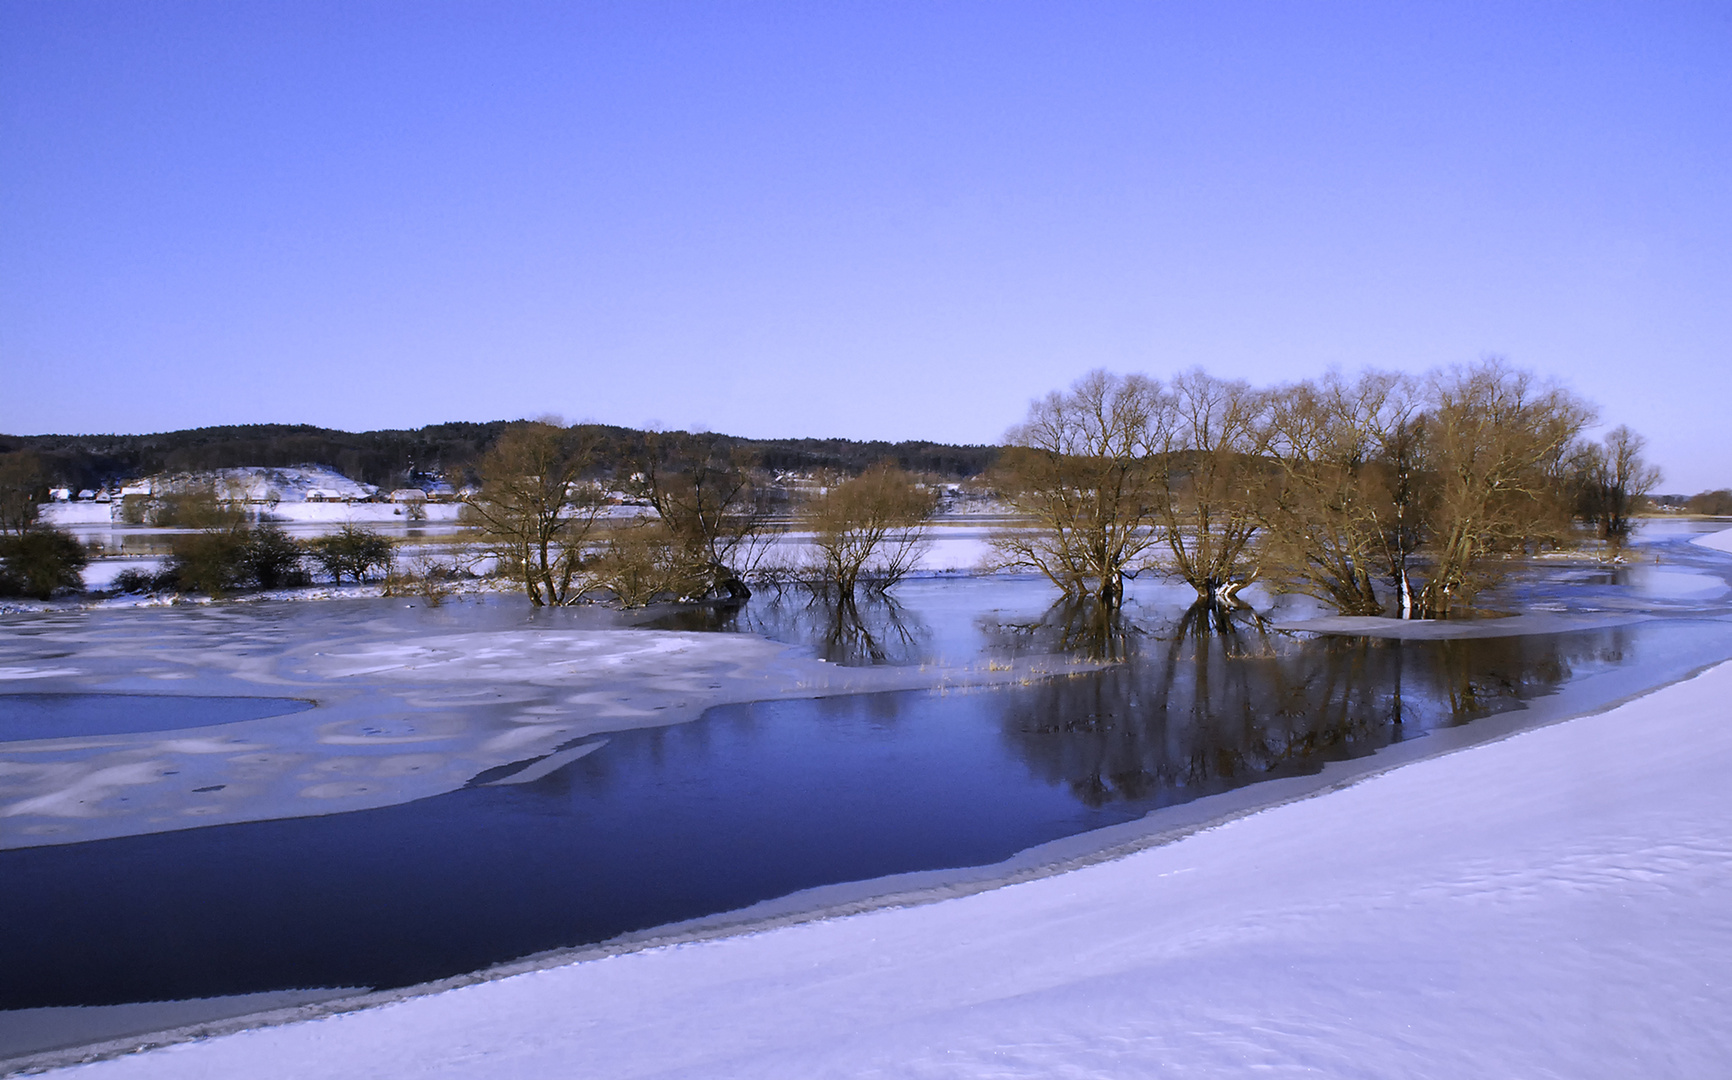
{"type": "Point", "coordinates": [1555, 904]}
{"type": "Point", "coordinates": [73, 514]}
{"type": "Point", "coordinates": [1719, 541]}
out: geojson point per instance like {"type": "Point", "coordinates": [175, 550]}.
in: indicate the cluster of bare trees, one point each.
{"type": "Point", "coordinates": [1375, 492]}
{"type": "Point", "coordinates": [1335, 487]}
{"type": "Point", "coordinates": [709, 523]}
{"type": "Point", "coordinates": [1608, 479]}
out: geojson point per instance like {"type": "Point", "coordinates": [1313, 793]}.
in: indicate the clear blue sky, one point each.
{"type": "Point", "coordinates": [868, 220]}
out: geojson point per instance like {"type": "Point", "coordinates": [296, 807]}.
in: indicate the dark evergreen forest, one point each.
{"type": "Point", "coordinates": [388, 458]}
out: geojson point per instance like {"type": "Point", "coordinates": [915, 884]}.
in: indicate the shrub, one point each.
{"type": "Point", "coordinates": [427, 577]}
{"type": "Point", "coordinates": [196, 508]}
{"type": "Point", "coordinates": [352, 551]}
{"type": "Point", "coordinates": [637, 563]}
{"type": "Point", "coordinates": [40, 561]}
{"type": "Point", "coordinates": [212, 562]}
{"type": "Point", "coordinates": [143, 581]}
{"type": "Point", "coordinates": [272, 558]}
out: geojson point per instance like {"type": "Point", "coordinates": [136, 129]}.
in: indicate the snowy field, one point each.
{"type": "Point", "coordinates": [954, 546]}
{"type": "Point", "coordinates": [1555, 904]}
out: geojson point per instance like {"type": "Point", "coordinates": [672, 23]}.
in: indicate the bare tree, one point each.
{"type": "Point", "coordinates": [1081, 467]}
{"type": "Point", "coordinates": [1211, 473]}
{"type": "Point", "coordinates": [635, 562]}
{"type": "Point", "coordinates": [1609, 479]}
{"type": "Point", "coordinates": [1334, 509]}
{"type": "Point", "coordinates": [1405, 504]}
{"type": "Point", "coordinates": [715, 517]}
{"type": "Point", "coordinates": [873, 525]}
{"type": "Point", "coordinates": [1496, 439]}
{"type": "Point", "coordinates": [22, 489]}
{"type": "Point", "coordinates": [536, 508]}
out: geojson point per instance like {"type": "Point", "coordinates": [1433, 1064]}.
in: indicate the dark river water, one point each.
{"type": "Point", "coordinates": [754, 802]}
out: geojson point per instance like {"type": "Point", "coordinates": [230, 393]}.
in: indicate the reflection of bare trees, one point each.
{"type": "Point", "coordinates": [1084, 628]}
{"type": "Point", "coordinates": [1217, 699]}
{"type": "Point", "coordinates": [870, 629]}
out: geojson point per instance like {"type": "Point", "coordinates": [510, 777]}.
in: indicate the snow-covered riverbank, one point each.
{"type": "Point", "coordinates": [1558, 903]}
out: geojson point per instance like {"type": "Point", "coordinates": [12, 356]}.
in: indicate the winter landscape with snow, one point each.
{"type": "Point", "coordinates": [329, 832]}
{"type": "Point", "coordinates": [967, 540]}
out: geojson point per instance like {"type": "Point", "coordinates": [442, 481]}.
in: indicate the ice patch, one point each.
{"type": "Point", "coordinates": [1720, 541]}
{"type": "Point", "coordinates": [36, 673]}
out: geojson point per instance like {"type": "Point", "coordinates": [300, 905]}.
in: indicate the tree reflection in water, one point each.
{"type": "Point", "coordinates": [873, 629]}
{"type": "Point", "coordinates": [1217, 697]}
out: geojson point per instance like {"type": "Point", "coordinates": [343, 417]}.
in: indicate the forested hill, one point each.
{"type": "Point", "coordinates": [391, 457]}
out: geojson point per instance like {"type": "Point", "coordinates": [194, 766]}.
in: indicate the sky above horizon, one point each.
{"type": "Point", "coordinates": [885, 220]}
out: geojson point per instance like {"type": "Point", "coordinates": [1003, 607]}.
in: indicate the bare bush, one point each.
{"type": "Point", "coordinates": [636, 563]}
{"type": "Point", "coordinates": [352, 551]}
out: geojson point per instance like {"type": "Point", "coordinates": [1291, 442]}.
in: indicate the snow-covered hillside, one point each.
{"type": "Point", "coordinates": [290, 485]}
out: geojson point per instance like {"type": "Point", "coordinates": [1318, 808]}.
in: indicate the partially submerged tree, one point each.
{"type": "Point", "coordinates": [536, 506]}
{"type": "Point", "coordinates": [636, 562]}
{"type": "Point", "coordinates": [1333, 514]}
{"type": "Point", "coordinates": [1495, 438]}
{"type": "Point", "coordinates": [869, 529]}
{"type": "Point", "coordinates": [1406, 501]}
{"type": "Point", "coordinates": [1609, 480]}
{"type": "Point", "coordinates": [1329, 486]}
{"type": "Point", "coordinates": [196, 504]}
{"type": "Point", "coordinates": [713, 515]}
{"type": "Point", "coordinates": [1081, 468]}
{"type": "Point", "coordinates": [1211, 473]}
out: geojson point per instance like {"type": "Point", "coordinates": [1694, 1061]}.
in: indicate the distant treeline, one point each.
{"type": "Point", "coordinates": [389, 458]}
{"type": "Point", "coordinates": [1713, 503]}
